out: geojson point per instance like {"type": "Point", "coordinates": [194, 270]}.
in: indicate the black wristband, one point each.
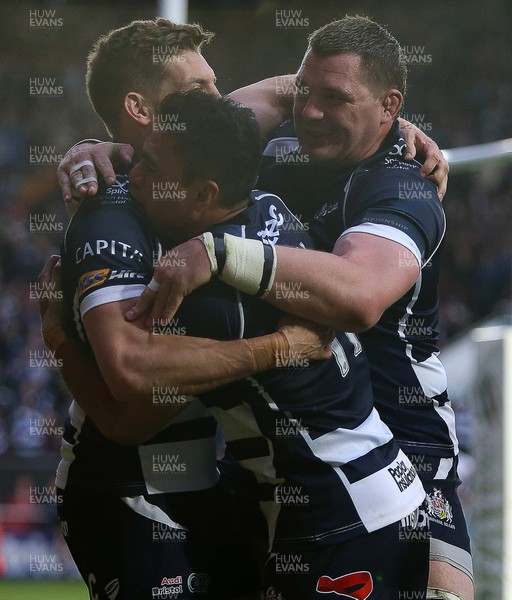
{"type": "Point", "coordinates": [268, 265]}
{"type": "Point", "coordinates": [220, 252]}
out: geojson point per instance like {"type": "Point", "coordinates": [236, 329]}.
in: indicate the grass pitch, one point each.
{"type": "Point", "coordinates": [43, 590]}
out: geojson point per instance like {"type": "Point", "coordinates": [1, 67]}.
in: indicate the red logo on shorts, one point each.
{"type": "Point", "coordinates": [354, 585]}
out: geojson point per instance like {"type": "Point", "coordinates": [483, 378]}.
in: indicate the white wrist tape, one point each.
{"type": "Point", "coordinates": [245, 265]}
{"type": "Point", "coordinates": [209, 244]}
{"type": "Point", "coordinates": [248, 265]}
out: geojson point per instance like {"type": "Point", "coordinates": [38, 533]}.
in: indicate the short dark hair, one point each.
{"type": "Point", "coordinates": [381, 53]}
{"type": "Point", "coordinates": [219, 139]}
{"type": "Point", "coordinates": [124, 60]}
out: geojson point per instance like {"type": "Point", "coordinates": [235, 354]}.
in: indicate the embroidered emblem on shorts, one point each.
{"type": "Point", "coordinates": [438, 508]}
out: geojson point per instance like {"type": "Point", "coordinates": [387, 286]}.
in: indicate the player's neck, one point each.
{"type": "Point", "coordinates": [135, 136]}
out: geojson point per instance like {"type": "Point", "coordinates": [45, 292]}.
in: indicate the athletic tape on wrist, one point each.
{"type": "Point", "coordinates": [248, 265]}
{"type": "Point", "coordinates": [209, 244]}
{"type": "Point", "coordinates": [265, 357]}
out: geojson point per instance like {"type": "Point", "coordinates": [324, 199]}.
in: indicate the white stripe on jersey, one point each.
{"type": "Point", "coordinates": [199, 457]}
{"type": "Point", "coordinates": [341, 446]}
{"type": "Point", "coordinates": [239, 423]}
{"type": "Point", "coordinates": [183, 466]}
{"type": "Point", "coordinates": [377, 501]}
{"type": "Point", "coordinates": [338, 447]}
{"type": "Point", "coordinates": [430, 373]}
{"type": "Point", "coordinates": [445, 466]}
{"type": "Point", "coordinates": [67, 456]}
{"type": "Point", "coordinates": [114, 293]}
{"type": "Point", "coordinates": [142, 507]}
{"type": "Point", "coordinates": [390, 233]}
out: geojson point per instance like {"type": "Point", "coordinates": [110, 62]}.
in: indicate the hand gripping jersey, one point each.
{"type": "Point", "coordinates": [108, 255]}
{"type": "Point", "coordinates": [387, 197]}
{"type": "Point", "coordinates": [326, 466]}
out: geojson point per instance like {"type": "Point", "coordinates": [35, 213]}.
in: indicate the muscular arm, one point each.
{"type": "Point", "coordinates": [138, 420]}
{"type": "Point", "coordinates": [348, 289]}
{"type": "Point", "coordinates": [134, 422]}
{"type": "Point", "coordinates": [125, 423]}
{"type": "Point", "coordinates": [271, 100]}
{"type": "Point", "coordinates": [134, 362]}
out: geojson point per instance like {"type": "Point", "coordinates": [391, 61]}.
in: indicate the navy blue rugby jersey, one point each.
{"type": "Point", "coordinates": [384, 196]}
{"type": "Point", "coordinates": [326, 466]}
{"type": "Point", "coordinates": [107, 256]}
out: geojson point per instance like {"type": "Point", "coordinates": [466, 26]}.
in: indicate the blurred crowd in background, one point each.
{"type": "Point", "coordinates": [460, 85]}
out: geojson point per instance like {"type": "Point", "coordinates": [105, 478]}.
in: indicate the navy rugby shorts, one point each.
{"type": "Point", "coordinates": [386, 564]}
{"type": "Point", "coordinates": [182, 545]}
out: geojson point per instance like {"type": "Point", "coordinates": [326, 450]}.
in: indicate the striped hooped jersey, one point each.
{"type": "Point", "coordinates": [383, 196]}
{"type": "Point", "coordinates": [327, 468]}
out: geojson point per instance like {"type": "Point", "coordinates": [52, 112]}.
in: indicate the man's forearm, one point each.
{"type": "Point", "coordinates": [271, 100]}
{"type": "Point", "coordinates": [126, 423]}
{"type": "Point", "coordinates": [320, 286]}
{"type": "Point", "coordinates": [149, 412]}
{"type": "Point", "coordinates": [194, 365]}
{"type": "Point", "coordinates": [347, 290]}
{"type": "Point", "coordinates": [134, 361]}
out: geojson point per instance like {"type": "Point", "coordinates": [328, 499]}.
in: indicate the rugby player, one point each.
{"type": "Point", "coordinates": [137, 526]}
{"type": "Point", "coordinates": [379, 225]}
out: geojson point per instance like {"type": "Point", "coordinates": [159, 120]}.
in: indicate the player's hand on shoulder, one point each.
{"type": "Point", "coordinates": [435, 167]}
{"type": "Point", "coordinates": [177, 274]}
{"type": "Point", "coordinates": [78, 171]}
{"type": "Point", "coordinates": [307, 340]}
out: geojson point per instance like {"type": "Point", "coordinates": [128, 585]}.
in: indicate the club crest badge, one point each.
{"type": "Point", "coordinates": [438, 507]}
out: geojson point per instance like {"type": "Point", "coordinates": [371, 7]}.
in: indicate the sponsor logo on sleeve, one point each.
{"type": "Point", "coordinates": [125, 274]}
{"type": "Point", "coordinates": [92, 279]}
{"type": "Point", "coordinates": [402, 474]}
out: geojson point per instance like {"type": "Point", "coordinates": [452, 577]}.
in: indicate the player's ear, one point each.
{"type": "Point", "coordinates": [392, 101]}
{"type": "Point", "coordinates": [138, 108]}
{"type": "Point", "coordinates": [208, 194]}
